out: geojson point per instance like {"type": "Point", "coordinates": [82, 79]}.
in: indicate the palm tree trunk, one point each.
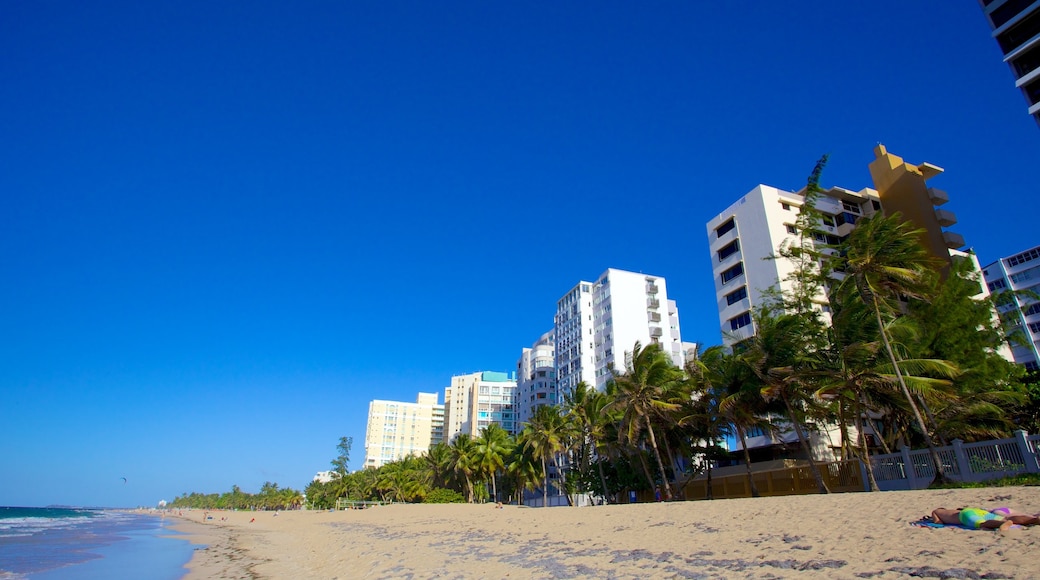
{"type": "Point", "coordinates": [602, 479]}
{"type": "Point", "coordinates": [864, 448]}
{"type": "Point", "coordinates": [815, 469]}
{"type": "Point", "coordinates": [747, 461]}
{"type": "Point", "coordinates": [940, 474]}
{"type": "Point", "coordinates": [660, 464]}
{"type": "Point", "coordinates": [931, 419]}
{"type": "Point", "coordinates": [545, 484]}
{"type": "Point", "coordinates": [494, 486]}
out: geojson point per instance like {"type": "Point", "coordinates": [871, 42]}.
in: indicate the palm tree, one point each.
{"type": "Point", "coordinates": [463, 451]}
{"type": "Point", "coordinates": [545, 435]}
{"type": "Point", "coordinates": [492, 448]}
{"type": "Point", "coordinates": [729, 399]}
{"type": "Point", "coordinates": [885, 262]}
{"type": "Point", "coordinates": [586, 408]}
{"type": "Point", "coordinates": [640, 394]}
{"type": "Point", "coordinates": [776, 355]}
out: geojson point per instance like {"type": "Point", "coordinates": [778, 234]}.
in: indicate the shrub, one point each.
{"type": "Point", "coordinates": [441, 495]}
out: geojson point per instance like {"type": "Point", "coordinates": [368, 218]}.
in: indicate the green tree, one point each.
{"type": "Point", "coordinates": [640, 395]}
{"type": "Point", "coordinates": [885, 262]}
{"type": "Point", "coordinates": [546, 435]}
{"type": "Point", "coordinates": [492, 447]}
{"type": "Point", "coordinates": [339, 464]}
{"type": "Point", "coordinates": [462, 462]}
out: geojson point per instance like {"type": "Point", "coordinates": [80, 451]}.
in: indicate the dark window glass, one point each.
{"type": "Point", "coordinates": [1009, 10]}
{"type": "Point", "coordinates": [1027, 62]}
{"type": "Point", "coordinates": [724, 228]}
{"type": "Point", "coordinates": [1015, 36]}
{"type": "Point", "coordinates": [732, 272]}
{"type": "Point", "coordinates": [736, 296]}
{"type": "Point", "coordinates": [1032, 91]}
{"type": "Point", "coordinates": [729, 249]}
{"type": "Point", "coordinates": [740, 321]}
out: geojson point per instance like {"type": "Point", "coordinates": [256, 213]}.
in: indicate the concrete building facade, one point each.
{"type": "Point", "coordinates": [1020, 313]}
{"type": "Point", "coordinates": [535, 379]}
{"type": "Point", "coordinates": [1016, 28]}
{"type": "Point", "coordinates": [476, 400]}
{"type": "Point", "coordinates": [598, 323]}
{"type": "Point", "coordinates": [397, 429]}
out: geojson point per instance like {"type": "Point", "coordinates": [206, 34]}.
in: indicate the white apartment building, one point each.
{"type": "Point", "coordinates": [476, 400]}
{"type": "Point", "coordinates": [744, 236]}
{"type": "Point", "coordinates": [397, 429]}
{"type": "Point", "coordinates": [598, 323]}
{"type": "Point", "coordinates": [1019, 313]}
{"type": "Point", "coordinates": [535, 379]}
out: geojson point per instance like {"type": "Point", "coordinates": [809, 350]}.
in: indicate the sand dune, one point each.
{"type": "Point", "coordinates": [838, 536]}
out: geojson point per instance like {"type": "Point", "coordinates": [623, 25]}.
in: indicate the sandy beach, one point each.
{"type": "Point", "coordinates": [838, 536]}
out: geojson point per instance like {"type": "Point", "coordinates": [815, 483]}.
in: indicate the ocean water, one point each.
{"type": "Point", "coordinates": [81, 544]}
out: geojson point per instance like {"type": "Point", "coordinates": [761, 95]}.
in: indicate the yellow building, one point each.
{"type": "Point", "coordinates": [902, 188]}
{"type": "Point", "coordinates": [397, 429]}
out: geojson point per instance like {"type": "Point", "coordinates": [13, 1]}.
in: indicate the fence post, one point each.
{"type": "Point", "coordinates": [962, 461]}
{"type": "Point", "coordinates": [1030, 458]}
{"type": "Point", "coordinates": [863, 478]}
{"type": "Point", "coordinates": [908, 466]}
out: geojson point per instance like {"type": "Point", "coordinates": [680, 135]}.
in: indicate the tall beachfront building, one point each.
{"type": "Point", "coordinates": [1020, 314]}
{"type": "Point", "coordinates": [1016, 28]}
{"type": "Point", "coordinates": [477, 400]}
{"type": "Point", "coordinates": [745, 235]}
{"type": "Point", "coordinates": [598, 323]}
{"type": "Point", "coordinates": [397, 429]}
{"type": "Point", "coordinates": [535, 379]}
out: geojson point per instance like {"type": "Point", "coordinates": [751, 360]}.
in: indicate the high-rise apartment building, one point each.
{"type": "Point", "coordinates": [476, 400]}
{"type": "Point", "coordinates": [1016, 28]}
{"type": "Point", "coordinates": [397, 429]}
{"type": "Point", "coordinates": [598, 323]}
{"type": "Point", "coordinates": [1020, 313]}
{"type": "Point", "coordinates": [746, 234]}
{"type": "Point", "coordinates": [535, 379]}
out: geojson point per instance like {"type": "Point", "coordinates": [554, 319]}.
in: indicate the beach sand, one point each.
{"type": "Point", "coordinates": [856, 535]}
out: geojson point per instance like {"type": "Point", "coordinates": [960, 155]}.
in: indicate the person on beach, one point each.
{"type": "Point", "coordinates": [978, 518]}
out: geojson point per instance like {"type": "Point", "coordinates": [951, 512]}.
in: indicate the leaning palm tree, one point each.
{"type": "Point", "coordinates": [463, 450]}
{"type": "Point", "coordinates": [545, 436]}
{"type": "Point", "coordinates": [776, 354]}
{"type": "Point", "coordinates": [885, 262]}
{"type": "Point", "coordinates": [640, 394]}
{"type": "Point", "coordinates": [492, 447]}
{"type": "Point", "coordinates": [729, 399]}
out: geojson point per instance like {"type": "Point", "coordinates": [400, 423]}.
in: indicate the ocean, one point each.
{"type": "Point", "coordinates": [82, 544]}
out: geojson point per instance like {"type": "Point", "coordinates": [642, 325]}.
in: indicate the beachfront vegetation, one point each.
{"type": "Point", "coordinates": [907, 354]}
{"type": "Point", "coordinates": [270, 497]}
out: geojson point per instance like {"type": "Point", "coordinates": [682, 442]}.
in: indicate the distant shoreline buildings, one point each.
{"type": "Point", "coordinates": [597, 323]}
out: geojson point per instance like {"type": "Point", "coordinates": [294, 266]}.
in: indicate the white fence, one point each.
{"type": "Point", "coordinates": [961, 461]}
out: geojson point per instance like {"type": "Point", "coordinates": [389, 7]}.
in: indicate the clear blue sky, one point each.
{"type": "Point", "coordinates": [226, 228]}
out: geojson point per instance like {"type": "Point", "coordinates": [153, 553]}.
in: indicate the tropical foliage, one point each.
{"type": "Point", "coordinates": [270, 497]}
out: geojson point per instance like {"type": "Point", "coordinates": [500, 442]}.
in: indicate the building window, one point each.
{"type": "Point", "coordinates": [791, 229]}
{"type": "Point", "coordinates": [1034, 326]}
{"type": "Point", "coordinates": [1024, 257]}
{"type": "Point", "coordinates": [732, 272]}
{"type": "Point", "coordinates": [736, 295]}
{"type": "Point", "coordinates": [729, 249]}
{"type": "Point", "coordinates": [740, 321]}
{"type": "Point", "coordinates": [785, 206]}
{"type": "Point", "coordinates": [1033, 309]}
{"type": "Point", "coordinates": [997, 285]}
{"type": "Point", "coordinates": [725, 228]}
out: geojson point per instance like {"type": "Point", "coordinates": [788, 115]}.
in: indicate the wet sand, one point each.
{"type": "Point", "coordinates": [838, 536]}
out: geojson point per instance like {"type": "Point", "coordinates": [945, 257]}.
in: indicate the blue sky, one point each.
{"type": "Point", "coordinates": [225, 228]}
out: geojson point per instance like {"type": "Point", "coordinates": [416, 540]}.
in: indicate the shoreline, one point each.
{"type": "Point", "coordinates": [853, 535]}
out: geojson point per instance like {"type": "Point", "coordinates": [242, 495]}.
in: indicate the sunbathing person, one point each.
{"type": "Point", "coordinates": [974, 518]}
{"type": "Point", "coordinates": [1022, 519]}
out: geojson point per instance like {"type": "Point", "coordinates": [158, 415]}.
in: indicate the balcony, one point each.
{"type": "Point", "coordinates": [654, 317]}
{"type": "Point", "coordinates": [946, 218]}
{"type": "Point", "coordinates": [929, 170]}
{"type": "Point", "coordinates": [656, 331]}
{"type": "Point", "coordinates": [651, 288]}
{"type": "Point", "coordinates": [953, 240]}
{"type": "Point", "coordinates": [938, 196]}
{"type": "Point", "coordinates": [653, 303]}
